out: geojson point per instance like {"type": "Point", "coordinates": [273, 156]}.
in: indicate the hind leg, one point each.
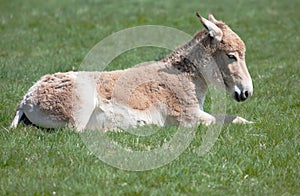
{"type": "Point", "coordinates": [37, 117]}
{"type": "Point", "coordinates": [42, 118]}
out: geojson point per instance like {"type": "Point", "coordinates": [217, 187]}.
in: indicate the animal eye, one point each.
{"type": "Point", "coordinates": [231, 56]}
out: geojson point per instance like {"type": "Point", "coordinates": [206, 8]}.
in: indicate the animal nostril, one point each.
{"type": "Point", "coordinates": [236, 96]}
{"type": "Point", "coordinates": [246, 94]}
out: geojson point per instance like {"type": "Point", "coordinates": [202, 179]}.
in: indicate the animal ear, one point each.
{"type": "Point", "coordinates": [213, 30]}
{"type": "Point", "coordinates": [211, 18]}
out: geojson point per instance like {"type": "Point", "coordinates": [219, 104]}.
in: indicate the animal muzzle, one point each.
{"type": "Point", "coordinates": [242, 93]}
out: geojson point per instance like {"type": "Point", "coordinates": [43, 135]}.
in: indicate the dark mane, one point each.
{"type": "Point", "coordinates": [179, 58]}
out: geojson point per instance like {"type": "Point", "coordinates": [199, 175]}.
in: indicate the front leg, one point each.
{"type": "Point", "coordinates": [208, 119]}
{"type": "Point", "coordinates": [232, 119]}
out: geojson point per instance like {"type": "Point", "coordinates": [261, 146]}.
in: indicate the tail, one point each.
{"type": "Point", "coordinates": [18, 116]}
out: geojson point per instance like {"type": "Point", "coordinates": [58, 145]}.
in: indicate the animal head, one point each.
{"type": "Point", "coordinates": [228, 51]}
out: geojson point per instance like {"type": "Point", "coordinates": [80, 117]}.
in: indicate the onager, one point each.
{"type": "Point", "coordinates": [166, 92]}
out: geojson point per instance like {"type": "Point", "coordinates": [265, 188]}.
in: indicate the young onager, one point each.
{"type": "Point", "coordinates": [166, 92]}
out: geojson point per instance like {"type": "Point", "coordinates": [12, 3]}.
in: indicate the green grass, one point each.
{"type": "Point", "coordinates": [39, 37]}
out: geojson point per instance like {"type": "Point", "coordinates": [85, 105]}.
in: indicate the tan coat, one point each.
{"type": "Point", "coordinates": [167, 92]}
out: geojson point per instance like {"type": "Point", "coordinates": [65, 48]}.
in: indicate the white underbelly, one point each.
{"type": "Point", "coordinates": [110, 116]}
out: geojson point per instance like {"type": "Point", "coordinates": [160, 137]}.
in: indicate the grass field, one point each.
{"type": "Point", "coordinates": [40, 37]}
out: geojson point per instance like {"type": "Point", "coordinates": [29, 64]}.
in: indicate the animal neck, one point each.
{"type": "Point", "coordinates": [189, 57]}
{"type": "Point", "coordinates": [192, 59]}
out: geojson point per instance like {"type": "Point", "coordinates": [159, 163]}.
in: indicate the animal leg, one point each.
{"type": "Point", "coordinates": [231, 119]}
{"type": "Point", "coordinates": [208, 119]}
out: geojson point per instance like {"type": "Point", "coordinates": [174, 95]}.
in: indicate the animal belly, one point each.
{"type": "Point", "coordinates": [114, 116]}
